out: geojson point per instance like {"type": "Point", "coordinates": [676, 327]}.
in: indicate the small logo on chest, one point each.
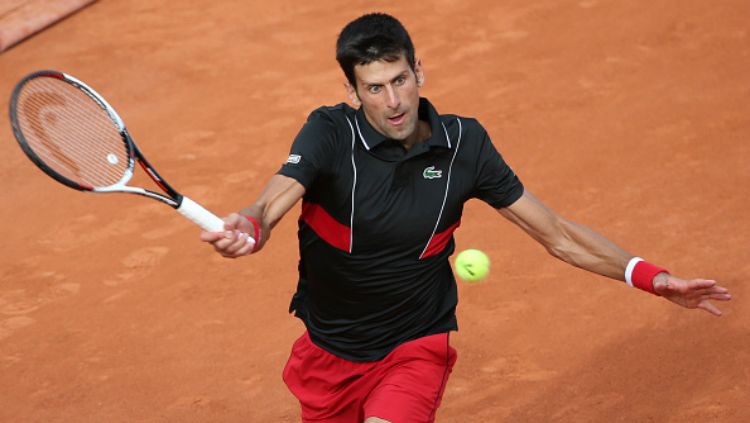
{"type": "Point", "coordinates": [431, 173]}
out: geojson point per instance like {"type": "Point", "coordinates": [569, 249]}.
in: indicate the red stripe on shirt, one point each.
{"type": "Point", "coordinates": [327, 228]}
{"type": "Point", "coordinates": [440, 240]}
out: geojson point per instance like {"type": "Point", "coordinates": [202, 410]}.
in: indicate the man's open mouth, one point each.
{"type": "Point", "coordinates": [398, 119]}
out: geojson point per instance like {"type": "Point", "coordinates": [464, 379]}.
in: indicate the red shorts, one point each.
{"type": "Point", "coordinates": [404, 387]}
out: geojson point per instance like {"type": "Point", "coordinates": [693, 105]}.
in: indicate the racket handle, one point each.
{"type": "Point", "coordinates": [199, 215]}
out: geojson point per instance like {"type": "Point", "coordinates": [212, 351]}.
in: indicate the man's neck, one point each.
{"type": "Point", "coordinates": [422, 133]}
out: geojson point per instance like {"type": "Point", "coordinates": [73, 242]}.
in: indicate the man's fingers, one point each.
{"type": "Point", "coordinates": [707, 289]}
{"type": "Point", "coordinates": [704, 287]}
{"type": "Point", "coordinates": [701, 283]}
{"type": "Point", "coordinates": [238, 241]}
{"type": "Point", "coordinates": [211, 236]}
{"type": "Point", "coordinates": [224, 239]}
{"type": "Point", "coordinates": [705, 305]}
{"type": "Point", "coordinates": [234, 244]}
{"type": "Point", "coordinates": [720, 296]}
{"type": "Point", "coordinates": [234, 241]}
{"type": "Point", "coordinates": [247, 248]}
{"type": "Point", "coordinates": [719, 290]}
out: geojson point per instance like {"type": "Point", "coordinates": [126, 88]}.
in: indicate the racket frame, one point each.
{"type": "Point", "coordinates": [184, 205]}
{"type": "Point", "coordinates": [172, 198]}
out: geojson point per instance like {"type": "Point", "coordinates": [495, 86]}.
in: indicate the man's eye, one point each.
{"type": "Point", "coordinates": [375, 89]}
{"type": "Point", "coordinates": [400, 80]}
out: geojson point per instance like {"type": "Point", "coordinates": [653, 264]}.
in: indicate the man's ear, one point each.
{"type": "Point", "coordinates": [352, 94]}
{"type": "Point", "coordinates": [419, 72]}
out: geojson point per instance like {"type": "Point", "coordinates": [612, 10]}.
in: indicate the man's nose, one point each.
{"type": "Point", "coordinates": [392, 98]}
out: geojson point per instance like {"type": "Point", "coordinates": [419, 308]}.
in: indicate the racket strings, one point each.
{"type": "Point", "coordinates": [71, 133]}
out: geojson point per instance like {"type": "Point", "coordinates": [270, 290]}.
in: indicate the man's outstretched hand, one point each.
{"type": "Point", "coordinates": [695, 293]}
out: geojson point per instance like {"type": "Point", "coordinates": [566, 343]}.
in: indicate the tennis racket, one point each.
{"type": "Point", "coordinates": [72, 134]}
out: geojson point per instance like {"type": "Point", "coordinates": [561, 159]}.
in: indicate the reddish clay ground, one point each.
{"type": "Point", "coordinates": [629, 116]}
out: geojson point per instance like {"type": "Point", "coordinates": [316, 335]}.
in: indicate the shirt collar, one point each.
{"type": "Point", "coordinates": [370, 138]}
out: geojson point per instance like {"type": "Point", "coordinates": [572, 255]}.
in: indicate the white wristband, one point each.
{"type": "Point", "coordinates": [629, 270]}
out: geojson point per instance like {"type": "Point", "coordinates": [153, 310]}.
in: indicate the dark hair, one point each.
{"type": "Point", "coordinates": [369, 38]}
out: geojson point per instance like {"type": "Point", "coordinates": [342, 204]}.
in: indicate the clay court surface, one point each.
{"type": "Point", "coordinates": [630, 116]}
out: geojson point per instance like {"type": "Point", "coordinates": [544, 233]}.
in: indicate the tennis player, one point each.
{"type": "Point", "coordinates": [383, 187]}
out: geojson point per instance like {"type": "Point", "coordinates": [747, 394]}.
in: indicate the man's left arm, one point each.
{"type": "Point", "coordinates": [584, 248]}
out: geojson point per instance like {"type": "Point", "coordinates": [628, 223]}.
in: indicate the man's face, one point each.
{"type": "Point", "coordinates": [389, 94]}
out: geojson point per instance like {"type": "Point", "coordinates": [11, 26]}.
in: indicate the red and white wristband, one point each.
{"type": "Point", "coordinates": [257, 232]}
{"type": "Point", "coordinates": [640, 274]}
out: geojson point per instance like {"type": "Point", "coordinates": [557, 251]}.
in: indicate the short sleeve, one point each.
{"type": "Point", "coordinates": [312, 150]}
{"type": "Point", "coordinates": [495, 182]}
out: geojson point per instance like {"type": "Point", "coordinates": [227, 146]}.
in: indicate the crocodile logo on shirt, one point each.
{"type": "Point", "coordinates": [431, 173]}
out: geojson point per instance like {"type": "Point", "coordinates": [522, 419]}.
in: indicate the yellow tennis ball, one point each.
{"type": "Point", "coordinates": [472, 265]}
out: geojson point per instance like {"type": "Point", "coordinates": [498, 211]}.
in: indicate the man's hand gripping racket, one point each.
{"type": "Point", "coordinates": [72, 134]}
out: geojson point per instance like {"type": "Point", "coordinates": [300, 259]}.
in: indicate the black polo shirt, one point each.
{"type": "Point", "coordinates": [377, 223]}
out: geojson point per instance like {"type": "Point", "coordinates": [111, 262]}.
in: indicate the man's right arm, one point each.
{"type": "Point", "coordinates": [278, 196]}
